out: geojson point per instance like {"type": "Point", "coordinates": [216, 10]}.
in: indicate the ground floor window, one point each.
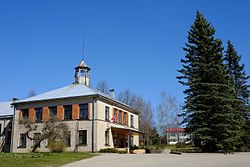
{"type": "Point", "coordinates": [36, 139]}
{"type": "Point", "coordinates": [22, 142]}
{"type": "Point", "coordinates": [82, 137]}
{"type": "Point", "coordinates": [68, 139]}
{"type": "Point", "coordinates": [120, 139]}
{"type": "Point", "coordinates": [106, 137]}
{"type": "Point", "coordinates": [131, 140]}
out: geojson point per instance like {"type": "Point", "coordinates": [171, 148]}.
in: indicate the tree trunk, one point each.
{"type": "Point", "coordinates": [36, 146]}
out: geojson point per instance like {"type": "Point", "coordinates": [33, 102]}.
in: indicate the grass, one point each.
{"type": "Point", "coordinates": [40, 159]}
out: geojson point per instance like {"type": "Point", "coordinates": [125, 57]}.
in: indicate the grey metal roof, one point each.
{"type": "Point", "coordinates": [6, 109]}
{"type": "Point", "coordinates": [73, 90]}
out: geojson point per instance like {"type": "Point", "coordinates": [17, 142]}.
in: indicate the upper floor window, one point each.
{"type": "Point", "coordinates": [25, 114]}
{"type": "Point", "coordinates": [39, 113]}
{"type": "Point", "coordinates": [115, 116]}
{"type": "Point", "coordinates": [120, 117]}
{"type": "Point", "coordinates": [53, 111]}
{"type": "Point", "coordinates": [106, 113]}
{"type": "Point", "coordinates": [68, 112]}
{"type": "Point", "coordinates": [84, 113]}
{"type": "Point", "coordinates": [132, 121]}
{"type": "Point", "coordinates": [125, 119]}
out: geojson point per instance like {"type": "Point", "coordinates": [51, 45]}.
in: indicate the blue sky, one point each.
{"type": "Point", "coordinates": [134, 44]}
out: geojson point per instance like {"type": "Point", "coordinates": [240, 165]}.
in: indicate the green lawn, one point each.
{"type": "Point", "coordinates": [40, 159]}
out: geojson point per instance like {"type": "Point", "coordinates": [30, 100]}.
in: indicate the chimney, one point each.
{"type": "Point", "coordinates": [112, 93]}
{"type": "Point", "coordinates": [14, 99]}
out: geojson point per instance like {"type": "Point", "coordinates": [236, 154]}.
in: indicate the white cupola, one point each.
{"type": "Point", "coordinates": [82, 75]}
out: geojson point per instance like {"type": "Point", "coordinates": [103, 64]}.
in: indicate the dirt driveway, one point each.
{"type": "Point", "coordinates": [164, 160]}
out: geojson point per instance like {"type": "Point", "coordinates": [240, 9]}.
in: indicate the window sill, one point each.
{"type": "Point", "coordinates": [107, 145]}
{"type": "Point", "coordinates": [81, 119]}
{"type": "Point", "coordinates": [67, 119]}
{"type": "Point", "coordinates": [82, 145]}
{"type": "Point", "coordinates": [20, 147]}
{"type": "Point", "coordinates": [38, 122]}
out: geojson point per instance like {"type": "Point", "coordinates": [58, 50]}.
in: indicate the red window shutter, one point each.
{"type": "Point", "coordinates": [75, 111]}
{"type": "Point", "coordinates": [45, 114]}
{"type": "Point", "coordinates": [32, 115]}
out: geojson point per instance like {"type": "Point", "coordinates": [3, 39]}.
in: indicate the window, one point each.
{"type": "Point", "coordinates": [25, 114]}
{"type": "Point", "coordinates": [36, 141]}
{"type": "Point", "coordinates": [39, 113]}
{"type": "Point", "coordinates": [53, 111]}
{"type": "Point", "coordinates": [125, 118]}
{"type": "Point", "coordinates": [84, 113]}
{"type": "Point", "coordinates": [115, 115]}
{"type": "Point", "coordinates": [8, 137]}
{"type": "Point", "coordinates": [68, 139]}
{"type": "Point", "coordinates": [106, 113]}
{"type": "Point", "coordinates": [120, 117]}
{"type": "Point", "coordinates": [82, 137]}
{"type": "Point", "coordinates": [131, 141]}
{"type": "Point", "coordinates": [68, 112]}
{"type": "Point", "coordinates": [22, 143]}
{"type": "Point", "coordinates": [131, 121]}
{"type": "Point", "coordinates": [106, 137]}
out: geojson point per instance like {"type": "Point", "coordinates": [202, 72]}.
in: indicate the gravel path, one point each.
{"type": "Point", "coordinates": [165, 160]}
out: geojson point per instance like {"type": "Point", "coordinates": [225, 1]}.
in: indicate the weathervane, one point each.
{"type": "Point", "coordinates": [83, 50]}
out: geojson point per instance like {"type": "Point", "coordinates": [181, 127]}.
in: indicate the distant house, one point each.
{"type": "Point", "coordinates": [95, 120]}
{"type": "Point", "coordinates": [6, 115]}
{"type": "Point", "coordinates": [175, 135]}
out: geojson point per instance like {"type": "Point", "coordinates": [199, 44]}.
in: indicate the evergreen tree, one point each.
{"type": "Point", "coordinates": [239, 81]}
{"type": "Point", "coordinates": [208, 111]}
{"type": "Point", "coordinates": [237, 73]}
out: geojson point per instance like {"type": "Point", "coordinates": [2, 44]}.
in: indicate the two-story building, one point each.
{"type": "Point", "coordinates": [95, 120]}
{"type": "Point", "coordinates": [175, 135]}
{"type": "Point", "coordinates": [6, 114]}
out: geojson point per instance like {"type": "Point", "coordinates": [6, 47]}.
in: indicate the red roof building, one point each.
{"type": "Point", "coordinates": [175, 130]}
{"type": "Point", "coordinates": [175, 135]}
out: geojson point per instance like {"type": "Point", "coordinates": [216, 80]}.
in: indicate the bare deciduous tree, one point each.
{"type": "Point", "coordinates": [128, 98]}
{"type": "Point", "coordinates": [103, 87]}
{"type": "Point", "coordinates": [52, 130]}
{"type": "Point", "coordinates": [167, 113]}
{"type": "Point", "coordinates": [31, 93]}
{"type": "Point", "coordinates": [143, 107]}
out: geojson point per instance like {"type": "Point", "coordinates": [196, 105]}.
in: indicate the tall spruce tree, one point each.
{"type": "Point", "coordinates": [239, 81]}
{"type": "Point", "coordinates": [208, 111]}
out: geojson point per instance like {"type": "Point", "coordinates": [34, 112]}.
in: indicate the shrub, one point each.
{"type": "Point", "coordinates": [180, 145]}
{"type": "Point", "coordinates": [111, 150]}
{"type": "Point", "coordinates": [186, 150]}
{"type": "Point", "coordinates": [57, 146]}
{"type": "Point", "coordinates": [134, 147]}
{"type": "Point", "coordinates": [108, 150]}
{"type": "Point", "coordinates": [154, 149]}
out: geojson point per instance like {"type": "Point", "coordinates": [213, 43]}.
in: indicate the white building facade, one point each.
{"type": "Point", "coordinates": [95, 120]}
